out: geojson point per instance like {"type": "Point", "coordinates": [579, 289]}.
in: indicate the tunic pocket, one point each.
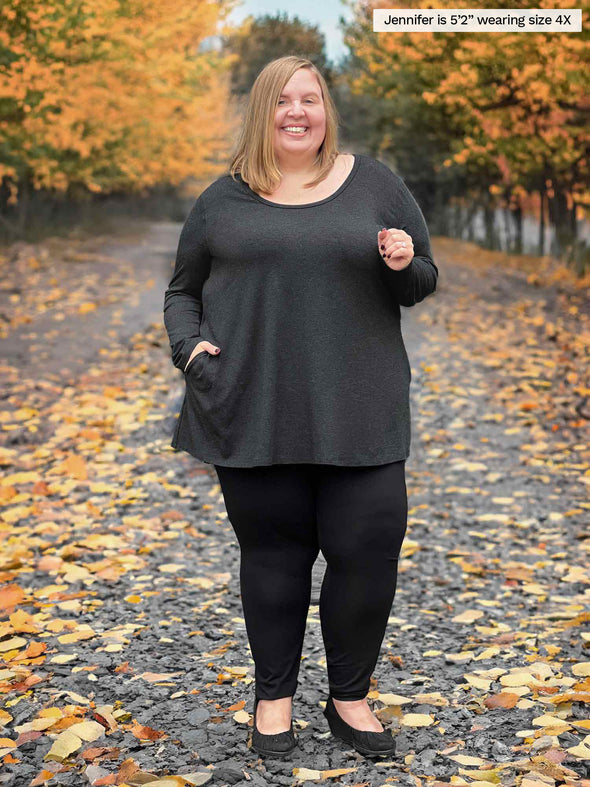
{"type": "Point", "coordinates": [204, 425]}
{"type": "Point", "coordinates": [199, 372]}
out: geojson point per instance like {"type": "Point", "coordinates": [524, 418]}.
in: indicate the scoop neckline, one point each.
{"type": "Point", "coordinates": [339, 190]}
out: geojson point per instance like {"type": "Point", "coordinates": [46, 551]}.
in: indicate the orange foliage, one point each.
{"type": "Point", "coordinates": [110, 96]}
{"type": "Point", "coordinates": [515, 103]}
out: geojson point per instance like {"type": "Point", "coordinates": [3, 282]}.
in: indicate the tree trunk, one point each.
{"type": "Point", "coordinates": [541, 251]}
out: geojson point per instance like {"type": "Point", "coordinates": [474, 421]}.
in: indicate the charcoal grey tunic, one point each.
{"type": "Point", "coordinates": [306, 312]}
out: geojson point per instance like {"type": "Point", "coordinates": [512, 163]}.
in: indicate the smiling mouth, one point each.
{"type": "Point", "coordinates": [296, 133]}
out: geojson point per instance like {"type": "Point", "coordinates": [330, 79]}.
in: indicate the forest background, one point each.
{"type": "Point", "coordinates": [111, 109]}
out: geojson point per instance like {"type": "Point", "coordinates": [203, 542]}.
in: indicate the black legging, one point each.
{"type": "Point", "coordinates": [282, 516]}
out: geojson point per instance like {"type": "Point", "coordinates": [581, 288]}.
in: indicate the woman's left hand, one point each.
{"type": "Point", "coordinates": [396, 248]}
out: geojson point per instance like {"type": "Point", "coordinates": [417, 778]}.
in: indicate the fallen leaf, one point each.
{"type": "Point", "coordinates": [416, 720]}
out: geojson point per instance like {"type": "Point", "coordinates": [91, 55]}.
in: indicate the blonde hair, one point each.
{"type": "Point", "coordinates": [254, 157]}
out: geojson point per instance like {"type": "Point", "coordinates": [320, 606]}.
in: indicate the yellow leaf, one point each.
{"type": "Point", "coordinates": [526, 734]}
{"type": "Point", "coordinates": [158, 677]}
{"type": "Point", "coordinates": [547, 720]}
{"type": "Point", "coordinates": [582, 669]}
{"type": "Point", "coordinates": [432, 698]}
{"type": "Point", "coordinates": [457, 658]}
{"type": "Point", "coordinates": [65, 744]}
{"type": "Point", "coordinates": [36, 724]}
{"type": "Point", "coordinates": [417, 720]}
{"type": "Point", "coordinates": [502, 519]}
{"type": "Point", "coordinates": [534, 588]}
{"type": "Point", "coordinates": [488, 653]}
{"type": "Point", "coordinates": [87, 730]}
{"type": "Point", "coordinates": [393, 699]}
{"type": "Point", "coordinates": [202, 582]}
{"type": "Point", "coordinates": [336, 772]}
{"type": "Point", "coordinates": [12, 644]}
{"type": "Point", "coordinates": [491, 776]}
{"type": "Point", "coordinates": [541, 668]}
{"type": "Point", "coordinates": [22, 622]}
{"type": "Point", "coordinates": [469, 616]}
{"type": "Point", "coordinates": [77, 573]}
{"type": "Point", "coordinates": [63, 658]}
{"type": "Point", "coordinates": [581, 751]}
{"type": "Point", "coordinates": [82, 632]}
{"type": "Point", "coordinates": [74, 466]}
{"type": "Point", "coordinates": [304, 774]}
{"type": "Point", "coordinates": [197, 777]}
{"type": "Point", "coordinates": [519, 679]}
{"type": "Point", "coordinates": [466, 759]}
{"type": "Point", "coordinates": [478, 682]}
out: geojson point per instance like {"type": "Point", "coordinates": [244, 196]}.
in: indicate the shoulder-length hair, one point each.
{"type": "Point", "coordinates": [254, 156]}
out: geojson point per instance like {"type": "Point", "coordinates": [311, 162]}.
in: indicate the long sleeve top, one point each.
{"type": "Point", "coordinates": [312, 366]}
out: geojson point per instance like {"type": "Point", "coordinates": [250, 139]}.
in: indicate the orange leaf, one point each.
{"type": "Point", "coordinates": [74, 466]}
{"type": "Point", "coordinates": [146, 733]}
{"type": "Point", "coordinates": [10, 596]}
{"type": "Point", "coordinates": [35, 649]}
{"type": "Point", "coordinates": [575, 696]}
{"type": "Point", "coordinates": [505, 699]}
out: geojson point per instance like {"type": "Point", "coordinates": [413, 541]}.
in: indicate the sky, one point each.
{"type": "Point", "coordinates": [323, 13]}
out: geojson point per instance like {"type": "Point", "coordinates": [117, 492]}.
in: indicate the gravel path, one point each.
{"type": "Point", "coordinates": [120, 592]}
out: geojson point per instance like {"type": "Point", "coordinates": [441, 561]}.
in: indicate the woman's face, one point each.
{"type": "Point", "coordinates": [300, 105]}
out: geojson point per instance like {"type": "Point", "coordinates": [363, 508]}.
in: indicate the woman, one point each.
{"type": "Point", "coordinates": [283, 313]}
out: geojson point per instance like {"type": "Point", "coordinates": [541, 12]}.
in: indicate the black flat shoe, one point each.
{"type": "Point", "coordinates": [367, 742]}
{"type": "Point", "coordinates": [279, 744]}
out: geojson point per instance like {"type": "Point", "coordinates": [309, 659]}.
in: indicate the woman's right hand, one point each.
{"type": "Point", "coordinates": [203, 346]}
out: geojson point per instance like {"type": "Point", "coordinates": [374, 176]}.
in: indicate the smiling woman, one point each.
{"type": "Point", "coordinates": [269, 152]}
{"type": "Point", "coordinates": [309, 100]}
{"type": "Point", "coordinates": [300, 127]}
{"type": "Point", "coordinates": [295, 264]}
{"type": "Point", "coordinates": [300, 109]}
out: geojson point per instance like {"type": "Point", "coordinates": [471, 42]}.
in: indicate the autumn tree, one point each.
{"type": "Point", "coordinates": [502, 114]}
{"type": "Point", "coordinates": [108, 96]}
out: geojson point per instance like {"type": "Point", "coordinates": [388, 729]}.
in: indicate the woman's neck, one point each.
{"type": "Point", "coordinates": [297, 168]}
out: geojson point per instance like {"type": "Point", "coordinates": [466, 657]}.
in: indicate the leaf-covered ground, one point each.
{"type": "Point", "coordinates": [125, 657]}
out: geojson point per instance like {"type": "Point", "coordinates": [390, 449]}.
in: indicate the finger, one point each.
{"type": "Point", "coordinates": [396, 234]}
{"type": "Point", "coordinates": [402, 255]}
{"type": "Point", "coordinates": [213, 349]}
{"type": "Point", "coordinates": [386, 236]}
{"type": "Point", "coordinates": [386, 233]}
{"type": "Point", "coordinates": [397, 245]}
